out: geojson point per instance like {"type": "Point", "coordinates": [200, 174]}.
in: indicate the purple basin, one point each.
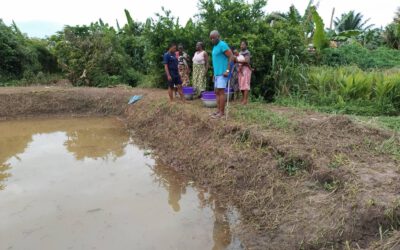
{"type": "Point", "coordinates": [209, 99]}
{"type": "Point", "coordinates": [188, 90]}
{"type": "Point", "coordinates": [210, 95]}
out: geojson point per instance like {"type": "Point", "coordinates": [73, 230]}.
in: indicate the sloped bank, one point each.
{"type": "Point", "coordinates": [320, 183]}
{"type": "Point", "coordinates": [323, 183]}
{"type": "Point", "coordinates": [49, 101]}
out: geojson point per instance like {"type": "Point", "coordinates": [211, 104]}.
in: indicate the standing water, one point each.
{"type": "Point", "coordinates": [82, 184]}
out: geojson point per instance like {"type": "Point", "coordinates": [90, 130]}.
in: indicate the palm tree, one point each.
{"type": "Point", "coordinates": [392, 32]}
{"type": "Point", "coordinates": [392, 35]}
{"type": "Point", "coordinates": [351, 21]}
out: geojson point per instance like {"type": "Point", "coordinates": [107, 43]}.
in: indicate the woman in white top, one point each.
{"type": "Point", "coordinates": [200, 68]}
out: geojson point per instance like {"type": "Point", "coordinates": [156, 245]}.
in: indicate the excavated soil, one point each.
{"type": "Point", "coordinates": [324, 182]}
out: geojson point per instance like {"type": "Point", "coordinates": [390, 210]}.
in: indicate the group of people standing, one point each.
{"type": "Point", "coordinates": [228, 65]}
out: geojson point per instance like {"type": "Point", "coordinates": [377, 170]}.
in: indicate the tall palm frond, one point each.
{"type": "Point", "coordinates": [352, 21]}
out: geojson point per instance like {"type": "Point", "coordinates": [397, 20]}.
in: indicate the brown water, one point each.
{"type": "Point", "coordinates": [82, 184]}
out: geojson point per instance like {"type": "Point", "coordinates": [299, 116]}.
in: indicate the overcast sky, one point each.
{"type": "Point", "coordinates": [44, 17]}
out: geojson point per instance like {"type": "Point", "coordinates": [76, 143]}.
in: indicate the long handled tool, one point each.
{"type": "Point", "coordinates": [229, 88]}
{"type": "Point", "coordinates": [227, 100]}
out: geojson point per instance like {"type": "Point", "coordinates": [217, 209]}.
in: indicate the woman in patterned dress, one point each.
{"type": "Point", "coordinates": [183, 65]}
{"type": "Point", "coordinates": [200, 68]}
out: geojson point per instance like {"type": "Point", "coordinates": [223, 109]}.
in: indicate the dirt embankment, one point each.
{"type": "Point", "coordinates": [44, 101]}
{"type": "Point", "coordinates": [320, 182]}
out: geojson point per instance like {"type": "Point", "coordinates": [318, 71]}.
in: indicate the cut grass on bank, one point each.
{"type": "Point", "coordinates": [258, 114]}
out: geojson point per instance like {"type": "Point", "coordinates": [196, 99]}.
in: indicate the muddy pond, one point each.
{"type": "Point", "coordinates": [82, 183]}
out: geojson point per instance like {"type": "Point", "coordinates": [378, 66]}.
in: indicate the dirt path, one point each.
{"type": "Point", "coordinates": [301, 180]}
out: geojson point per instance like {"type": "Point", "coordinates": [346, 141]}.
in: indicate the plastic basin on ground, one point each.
{"type": "Point", "coordinates": [188, 92]}
{"type": "Point", "coordinates": [209, 95]}
{"type": "Point", "coordinates": [209, 99]}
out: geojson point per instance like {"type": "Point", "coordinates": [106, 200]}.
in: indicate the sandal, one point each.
{"type": "Point", "coordinates": [217, 116]}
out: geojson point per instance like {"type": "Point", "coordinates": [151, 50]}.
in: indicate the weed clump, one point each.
{"type": "Point", "coordinates": [294, 164]}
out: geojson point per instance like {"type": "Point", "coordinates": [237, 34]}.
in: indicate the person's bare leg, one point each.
{"type": "Point", "coordinates": [181, 93]}
{"type": "Point", "coordinates": [170, 94]}
{"type": "Point", "coordinates": [221, 101]}
{"type": "Point", "coordinates": [218, 104]}
{"type": "Point", "coordinates": [245, 97]}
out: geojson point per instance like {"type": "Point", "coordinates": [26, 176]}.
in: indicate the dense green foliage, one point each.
{"type": "Point", "coordinates": [356, 54]}
{"type": "Point", "coordinates": [21, 57]}
{"type": "Point", "coordinates": [350, 90]}
{"type": "Point", "coordinates": [93, 56]}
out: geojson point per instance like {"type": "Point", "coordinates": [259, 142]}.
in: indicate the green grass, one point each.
{"type": "Point", "coordinates": [258, 114]}
{"type": "Point", "coordinates": [390, 146]}
{"type": "Point", "coordinates": [331, 186]}
{"type": "Point", "coordinates": [385, 122]}
{"type": "Point", "coordinates": [390, 122]}
{"type": "Point", "coordinates": [42, 79]}
{"type": "Point", "coordinates": [292, 165]}
{"type": "Point", "coordinates": [360, 107]}
{"type": "Point", "coordinates": [338, 160]}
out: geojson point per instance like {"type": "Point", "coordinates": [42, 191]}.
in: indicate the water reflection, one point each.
{"type": "Point", "coordinates": [176, 184]}
{"type": "Point", "coordinates": [221, 231]}
{"type": "Point", "coordinates": [91, 138]}
{"type": "Point", "coordinates": [97, 143]}
{"type": "Point", "coordinates": [102, 203]}
{"type": "Point", "coordinates": [87, 137]}
{"type": "Point", "coordinates": [4, 174]}
{"type": "Point", "coordinates": [173, 182]}
{"type": "Point", "coordinates": [11, 143]}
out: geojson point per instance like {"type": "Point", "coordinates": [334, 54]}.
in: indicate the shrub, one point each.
{"type": "Point", "coordinates": [21, 57]}
{"type": "Point", "coordinates": [355, 54]}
